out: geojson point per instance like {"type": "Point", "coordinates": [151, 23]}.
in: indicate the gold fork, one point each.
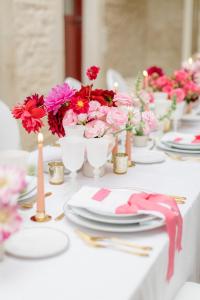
{"type": "Point", "coordinates": [116, 242]}
{"type": "Point", "coordinates": [29, 204]}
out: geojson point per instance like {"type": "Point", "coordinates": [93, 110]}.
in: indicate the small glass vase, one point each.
{"type": "Point", "coordinates": [2, 251]}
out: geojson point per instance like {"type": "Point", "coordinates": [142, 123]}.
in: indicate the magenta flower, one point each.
{"type": "Point", "coordinates": [58, 95]}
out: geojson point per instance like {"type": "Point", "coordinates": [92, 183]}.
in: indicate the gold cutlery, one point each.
{"type": "Point", "coordinates": [182, 158]}
{"type": "Point", "coordinates": [116, 243]}
{"type": "Point", "coordinates": [29, 204]}
{"type": "Point", "coordinates": [60, 217]}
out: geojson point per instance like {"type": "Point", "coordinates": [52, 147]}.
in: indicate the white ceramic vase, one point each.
{"type": "Point", "coordinates": [76, 130]}
{"type": "Point", "coordinates": [140, 140]}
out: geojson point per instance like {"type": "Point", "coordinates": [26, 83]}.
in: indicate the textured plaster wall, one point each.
{"type": "Point", "coordinates": [141, 33]}
{"type": "Point", "coordinates": [31, 49]}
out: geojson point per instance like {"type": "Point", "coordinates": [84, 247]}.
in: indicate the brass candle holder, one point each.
{"type": "Point", "coordinates": [120, 165]}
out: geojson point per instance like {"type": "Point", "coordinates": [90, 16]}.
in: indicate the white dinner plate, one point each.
{"type": "Point", "coordinates": [103, 219]}
{"type": "Point", "coordinates": [37, 242]}
{"type": "Point", "coordinates": [191, 147]}
{"type": "Point", "coordinates": [123, 228]}
{"type": "Point", "coordinates": [191, 118]}
{"type": "Point", "coordinates": [31, 185]}
{"type": "Point", "coordinates": [172, 149]}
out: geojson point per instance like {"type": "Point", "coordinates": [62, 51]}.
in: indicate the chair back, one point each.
{"type": "Point", "coordinates": [73, 83]}
{"type": "Point", "coordinates": [113, 77]}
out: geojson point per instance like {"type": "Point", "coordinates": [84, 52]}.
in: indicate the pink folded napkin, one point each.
{"type": "Point", "coordinates": [164, 205]}
{"type": "Point", "coordinates": [171, 213]}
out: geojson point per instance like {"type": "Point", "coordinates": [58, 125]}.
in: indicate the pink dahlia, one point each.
{"type": "Point", "coordinates": [58, 96]}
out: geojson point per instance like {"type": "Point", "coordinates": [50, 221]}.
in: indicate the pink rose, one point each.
{"type": "Point", "coordinates": [70, 118]}
{"type": "Point", "coordinates": [82, 118]}
{"type": "Point", "coordinates": [162, 81]}
{"type": "Point", "coordinates": [94, 106]}
{"type": "Point", "coordinates": [95, 128]}
{"type": "Point", "coordinates": [122, 99]}
{"type": "Point", "coordinates": [181, 76]}
{"type": "Point", "coordinates": [116, 117]}
{"type": "Point", "coordinates": [179, 93]}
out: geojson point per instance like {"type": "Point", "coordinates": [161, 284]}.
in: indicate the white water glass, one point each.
{"type": "Point", "coordinates": [97, 152]}
{"type": "Point", "coordinates": [73, 150]}
{"type": "Point", "coordinates": [177, 114]}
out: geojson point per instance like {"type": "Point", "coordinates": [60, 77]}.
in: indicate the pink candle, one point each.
{"type": "Point", "coordinates": [145, 74]}
{"type": "Point", "coordinates": [40, 178]}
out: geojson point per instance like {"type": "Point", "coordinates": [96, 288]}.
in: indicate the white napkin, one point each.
{"type": "Point", "coordinates": [50, 153]}
{"type": "Point", "coordinates": [171, 137]}
{"type": "Point", "coordinates": [117, 197]}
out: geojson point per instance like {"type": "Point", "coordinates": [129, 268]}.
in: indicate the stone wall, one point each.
{"type": "Point", "coordinates": [31, 50]}
{"type": "Point", "coordinates": [141, 33]}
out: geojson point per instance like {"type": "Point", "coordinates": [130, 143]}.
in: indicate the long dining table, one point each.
{"type": "Point", "coordinates": [88, 273]}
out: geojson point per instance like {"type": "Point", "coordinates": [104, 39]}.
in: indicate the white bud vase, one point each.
{"type": "Point", "coordinates": [140, 140]}
{"type": "Point", "coordinates": [76, 130]}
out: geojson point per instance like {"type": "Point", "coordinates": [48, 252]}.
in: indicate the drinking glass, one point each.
{"type": "Point", "coordinates": [73, 150]}
{"type": "Point", "coordinates": [97, 152]}
{"type": "Point", "coordinates": [177, 114]}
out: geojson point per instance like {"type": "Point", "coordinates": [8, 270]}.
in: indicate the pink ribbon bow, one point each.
{"type": "Point", "coordinates": [171, 213]}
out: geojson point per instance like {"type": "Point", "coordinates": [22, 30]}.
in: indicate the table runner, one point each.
{"type": "Point", "coordinates": [103, 274]}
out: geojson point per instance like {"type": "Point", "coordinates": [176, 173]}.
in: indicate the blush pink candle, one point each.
{"type": "Point", "coordinates": [40, 178]}
{"type": "Point", "coordinates": [145, 74]}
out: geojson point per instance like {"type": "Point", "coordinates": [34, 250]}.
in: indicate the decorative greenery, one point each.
{"type": "Point", "coordinates": [171, 109]}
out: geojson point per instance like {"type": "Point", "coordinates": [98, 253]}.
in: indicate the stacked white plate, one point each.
{"type": "Point", "coordinates": [84, 211]}
{"type": "Point", "coordinates": [180, 142]}
{"type": "Point", "coordinates": [30, 189]}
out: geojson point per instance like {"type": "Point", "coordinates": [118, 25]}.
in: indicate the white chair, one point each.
{"type": "Point", "coordinates": [114, 78]}
{"type": "Point", "coordinates": [9, 130]}
{"type": "Point", "coordinates": [190, 291]}
{"type": "Point", "coordinates": [73, 83]}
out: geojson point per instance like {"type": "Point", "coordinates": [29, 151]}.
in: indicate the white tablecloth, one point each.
{"type": "Point", "coordinates": [84, 273]}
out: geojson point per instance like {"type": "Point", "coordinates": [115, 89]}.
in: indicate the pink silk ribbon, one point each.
{"type": "Point", "coordinates": [101, 194]}
{"type": "Point", "coordinates": [171, 213]}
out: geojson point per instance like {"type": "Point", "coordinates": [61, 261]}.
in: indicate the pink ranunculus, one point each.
{"type": "Point", "coordinates": [162, 81]}
{"type": "Point", "coordinates": [116, 117]}
{"type": "Point", "coordinates": [95, 128]}
{"type": "Point", "coordinates": [82, 118]}
{"type": "Point", "coordinates": [181, 76]}
{"type": "Point", "coordinates": [149, 119]}
{"type": "Point", "coordinates": [122, 99]}
{"type": "Point", "coordinates": [191, 87]}
{"type": "Point", "coordinates": [179, 93]}
{"type": "Point", "coordinates": [94, 106]}
{"type": "Point", "coordinates": [167, 89]}
{"type": "Point", "coordinates": [70, 118]}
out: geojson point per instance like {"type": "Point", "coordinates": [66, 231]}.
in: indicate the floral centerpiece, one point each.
{"type": "Point", "coordinates": [12, 182]}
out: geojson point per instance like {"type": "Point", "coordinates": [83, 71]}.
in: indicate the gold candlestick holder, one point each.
{"type": "Point", "coordinates": [41, 217]}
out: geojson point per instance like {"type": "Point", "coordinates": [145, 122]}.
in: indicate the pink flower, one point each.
{"type": "Point", "coordinates": [191, 87]}
{"type": "Point", "coordinates": [12, 182]}
{"type": "Point", "coordinates": [10, 220]}
{"type": "Point", "coordinates": [92, 72]}
{"type": "Point", "coordinates": [70, 118]}
{"type": "Point", "coordinates": [181, 76]}
{"type": "Point", "coordinates": [116, 117]}
{"type": "Point", "coordinates": [59, 95]}
{"type": "Point", "coordinates": [94, 106]}
{"type": "Point", "coordinates": [145, 96]}
{"type": "Point", "coordinates": [167, 89]}
{"type": "Point", "coordinates": [162, 81]}
{"type": "Point", "coordinates": [122, 99]}
{"type": "Point", "coordinates": [95, 128]}
{"type": "Point", "coordinates": [179, 93]}
{"type": "Point", "coordinates": [155, 71]}
{"type": "Point", "coordinates": [149, 119]}
{"type": "Point", "coordinates": [82, 118]}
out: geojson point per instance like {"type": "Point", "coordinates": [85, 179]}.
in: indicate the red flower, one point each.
{"type": "Point", "coordinates": [55, 121]}
{"type": "Point", "coordinates": [79, 104]}
{"type": "Point", "coordinates": [92, 72]}
{"type": "Point", "coordinates": [155, 71]}
{"type": "Point", "coordinates": [30, 112]}
{"type": "Point", "coordinates": [104, 97]}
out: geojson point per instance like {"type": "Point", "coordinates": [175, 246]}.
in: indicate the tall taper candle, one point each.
{"type": "Point", "coordinates": [146, 83]}
{"type": "Point", "coordinates": [40, 179]}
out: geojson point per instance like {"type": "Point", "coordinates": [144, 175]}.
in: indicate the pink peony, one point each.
{"type": "Point", "coordinates": [149, 119]}
{"type": "Point", "coordinates": [58, 95]}
{"type": "Point", "coordinates": [95, 128]}
{"type": "Point", "coordinates": [70, 118]}
{"type": "Point", "coordinates": [179, 93]}
{"type": "Point", "coordinates": [12, 182]}
{"type": "Point", "coordinates": [181, 76]}
{"type": "Point", "coordinates": [82, 118]}
{"type": "Point", "coordinates": [10, 220]}
{"type": "Point", "coordinates": [122, 99]}
{"type": "Point", "coordinates": [116, 117]}
{"type": "Point", "coordinates": [94, 106]}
